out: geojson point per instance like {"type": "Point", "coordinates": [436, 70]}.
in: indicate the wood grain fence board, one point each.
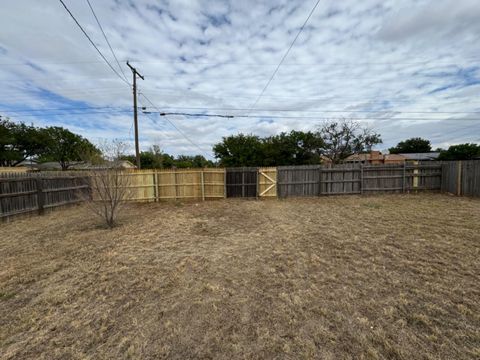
{"type": "Point", "coordinates": [242, 182]}
{"type": "Point", "coordinates": [267, 182]}
{"type": "Point", "coordinates": [34, 194]}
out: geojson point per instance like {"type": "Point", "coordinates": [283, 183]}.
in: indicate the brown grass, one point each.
{"type": "Point", "coordinates": [392, 277]}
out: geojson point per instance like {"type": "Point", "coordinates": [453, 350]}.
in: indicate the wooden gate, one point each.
{"type": "Point", "coordinates": [267, 182]}
{"type": "Point", "coordinates": [241, 182]}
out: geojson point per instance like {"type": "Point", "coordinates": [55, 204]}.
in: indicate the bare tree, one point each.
{"type": "Point", "coordinates": [109, 184]}
{"type": "Point", "coordinates": [344, 137]}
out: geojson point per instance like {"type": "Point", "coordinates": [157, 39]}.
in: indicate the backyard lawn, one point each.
{"type": "Point", "coordinates": [381, 277]}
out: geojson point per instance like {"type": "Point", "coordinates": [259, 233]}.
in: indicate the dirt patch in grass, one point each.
{"type": "Point", "coordinates": [394, 277]}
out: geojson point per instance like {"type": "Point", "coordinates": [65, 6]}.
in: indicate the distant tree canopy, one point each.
{"type": "Point", "coordinates": [461, 152]}
{"type": "Point", "coordinates": [65, 147]}
{"type": "Point", "coordinates": [294, 148]}
{"type": "Point", "coordinates": [334, 140]}
{"type": "Point", "coordinates": [19, 142]}
{"type": "Point", "coordinates": [154, 158]}
{"type": "Point", "coordinates": [413, 145]}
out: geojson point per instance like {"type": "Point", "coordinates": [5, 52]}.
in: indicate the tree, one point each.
{"type": "Point", "coordinates": [155, 159]}
{"type": "Point", "coordinates": [19, 142]}
{"type": "Point", "coordinates": [239, 150]}
{"type": "Point", "coordinates": [197, 161]}
{"type": "Point", "coordinates": [66, 148]}
{"type": "Point", "coordinates": [461, 152]}
{"type": "Point", "coordinates": [413, 145]}
{"type": "Point", "coordinates": [343, 138]}
{"type": "Point", "coordinates": [294, 148]}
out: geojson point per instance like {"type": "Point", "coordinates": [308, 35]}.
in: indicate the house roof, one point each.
{"type": "Point", "coordinates": [392, 157]}
{"type": "Point", "coordinates": [358, 157]}
{"type": "Point", "coordinates": [421, 156]}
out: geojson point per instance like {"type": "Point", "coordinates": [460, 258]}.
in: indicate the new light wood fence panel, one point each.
{"type": "Point", "coordinates": [267, 182]}
{"type": "Point", "coordinates": [214, 183]}
{"type": "Point", "coordinates": [201, 184]}
{"type": "Point", "coordinates": [141, 185]}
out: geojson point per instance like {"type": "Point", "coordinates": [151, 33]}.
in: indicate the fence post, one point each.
{"type": "Point", "coordinates": [403, 178]}
{"type": "Point", "coordinates": [243, 183]}
{"type": "Point", "coordinates": [459, 178]}
{"type": "Point", "coordinates": [320, 180]}
{"type": "Point", "coordinates": [154, 185]}
{"type": "Point", "coordinates": [257, 185]}
{"type": "Point", "coordinates": [361, 179]}
{"type": "Point", "coordinates": [202, 180]}
{"type": "Point", "coordinates": [415, 177]}
{"type": "Point", "coordinates": [225, 183]}
{"type": "Point", "coordinates": [175, 183]}
{"type": "Point", "coordinates": [40, 195]}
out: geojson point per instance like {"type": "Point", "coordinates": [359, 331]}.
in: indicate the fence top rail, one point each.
{"type": "Point", "coordinates": [239, 169]}
{"type": "Point", "coordinates": [299, 167]}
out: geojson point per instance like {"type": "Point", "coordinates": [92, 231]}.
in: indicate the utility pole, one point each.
{"type": "Point", "coordinates": [135, 120]}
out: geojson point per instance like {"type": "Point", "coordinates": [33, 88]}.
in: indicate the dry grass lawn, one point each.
{"type": "Point", "coordinates": [387, 277]}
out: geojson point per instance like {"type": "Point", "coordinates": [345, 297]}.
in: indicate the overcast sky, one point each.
{"type": "Point", "coordinates": [389, 63]}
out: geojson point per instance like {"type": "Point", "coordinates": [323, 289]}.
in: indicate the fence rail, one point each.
{"type": "Point", "coordinates": [34, 192]}
{"type": "Point", "coordinates": [357, 179]}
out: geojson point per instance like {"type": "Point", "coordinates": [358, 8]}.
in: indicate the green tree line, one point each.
{"type": "Point", "coordinates": [19, 142]}
{"type": "Point", "coordinates": [334, 141]}
{"type": "Point", "coordinates": [467, 151]}
{"type": "Point", "coordinates": [154, 158]}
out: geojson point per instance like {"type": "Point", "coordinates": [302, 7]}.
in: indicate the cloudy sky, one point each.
{"type": "Point", "coordinates": [403, 67]}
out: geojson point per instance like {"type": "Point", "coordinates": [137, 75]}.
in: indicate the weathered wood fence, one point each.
{"type": "Point", "coordinates": [34, 192]}
{"type": "Point", "coordinates": [461, 178]}
{"type": "Point", "coordinates": [357, 179]}
{"type": "Point", "coordinates": [21, 195]}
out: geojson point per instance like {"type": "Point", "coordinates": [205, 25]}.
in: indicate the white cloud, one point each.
{"type": "Point", "coordinates": [394, 57]}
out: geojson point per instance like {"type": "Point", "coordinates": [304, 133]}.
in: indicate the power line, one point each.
{"type": "Point", "coordinates": [192, 62]}
{"type": "Point", "coordinates": [284, 56]}
{"type": "Point", "coordinates": [324, 111]}
{"type": "Point", "coordinates": [175, 126]}
{"type": "Point", "coordinates": [93, 44]}
{"type": "Point", "coordinates": [195, 114]}
{"type": "Point", "coordinates": [254, 116]}
{"type": "Point", "coordinates": [165, 112]}
{"type": "Point", "coordinates": [71, 114]}
{"type": "Point", "coordinates": [67, 109]}
{"type": "Point", "coordinates": [106, 39]}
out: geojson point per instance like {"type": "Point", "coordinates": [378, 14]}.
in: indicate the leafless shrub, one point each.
{"type": "Point", "coordinates": [109, 184]}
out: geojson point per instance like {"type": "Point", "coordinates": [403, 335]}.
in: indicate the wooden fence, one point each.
{"type": "Point", "coordinates": [241, 182]}
{"type": "Point", "coordinates": [21, 195]}
{"type": "Point", "coordinates": [461, 178]}
{"type": "Point", "coordinates": [318, 180]}
{"type": "Point", "coordinates": [34, 192]}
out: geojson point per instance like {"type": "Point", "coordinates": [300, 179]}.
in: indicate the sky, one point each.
{"type": "Point", "coordinates": [402, 68]}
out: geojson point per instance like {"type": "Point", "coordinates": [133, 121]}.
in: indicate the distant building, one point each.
{"type": "Point", "coordinates": [375, 157]}
{"type": "Point", "coordinates": [430, 156]}
{"type": "Point", "coordinates": [120, 164]}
